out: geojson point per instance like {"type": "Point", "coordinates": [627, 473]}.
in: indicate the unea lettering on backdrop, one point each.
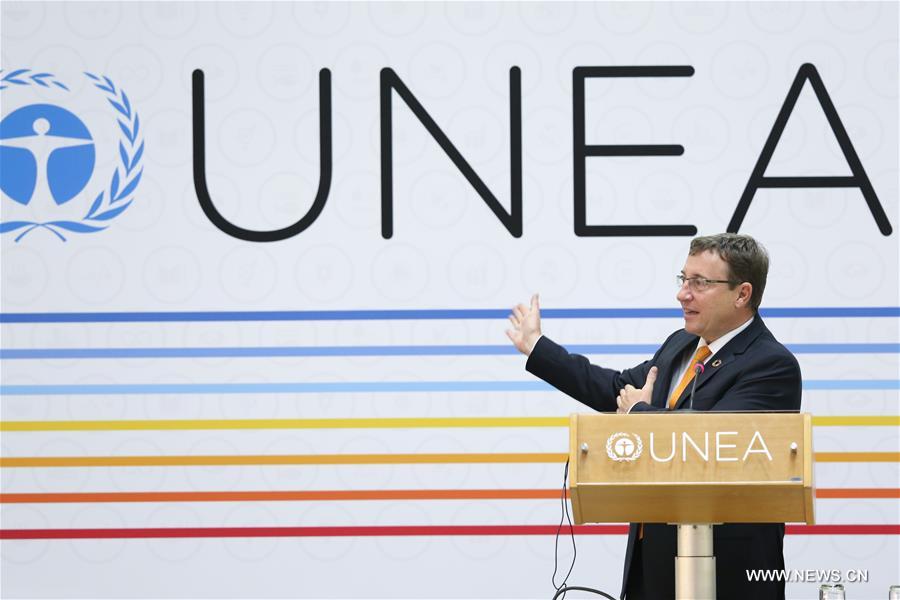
{"type": "Point", "coordinates": [512, 220]}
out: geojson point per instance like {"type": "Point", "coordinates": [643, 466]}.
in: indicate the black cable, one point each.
{"type": "Point", "coordinates": [562, 589]}
{"type": "Point", "coordinates": [571, 529]}
{"type": "Point", "coordinates": [578, 588]}
{"type": "Point", "coordinates": [563, 517]}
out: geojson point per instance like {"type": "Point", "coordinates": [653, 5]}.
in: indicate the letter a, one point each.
{"type": "Point", "coordinates": [859, 179]}
{"type": "Point", "coordinates": [763, 449]}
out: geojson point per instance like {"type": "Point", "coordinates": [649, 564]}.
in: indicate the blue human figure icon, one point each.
{"type": "Point", "coordinates": [45, 152]}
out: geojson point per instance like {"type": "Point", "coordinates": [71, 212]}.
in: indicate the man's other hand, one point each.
{"type": "Point", "coordinates": [630, 395]}
{"type": "Point", "coordinates": [526, 326]}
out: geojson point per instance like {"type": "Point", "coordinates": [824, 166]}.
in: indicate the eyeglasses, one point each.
{"type": "Point", "coordinates": [700, 284]}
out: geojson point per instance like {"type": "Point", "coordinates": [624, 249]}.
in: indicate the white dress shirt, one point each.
{"type": "Point", "coordinates": [713, 348]}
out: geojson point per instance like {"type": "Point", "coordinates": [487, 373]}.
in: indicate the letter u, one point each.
{"type": "Point", "coordinates": [206, 203]}
{"type": "Point", "coordinates": [653, 449]}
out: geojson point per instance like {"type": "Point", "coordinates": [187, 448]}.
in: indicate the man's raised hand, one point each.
{"type": "Point", "coordinates": [526, 326]}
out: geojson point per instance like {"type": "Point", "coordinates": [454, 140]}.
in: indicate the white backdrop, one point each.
{"type": "Point", "coordinates": [450, 272]}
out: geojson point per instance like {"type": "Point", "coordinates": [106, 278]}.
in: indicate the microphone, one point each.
{"type": "Point", "coordinates": [698, 370]}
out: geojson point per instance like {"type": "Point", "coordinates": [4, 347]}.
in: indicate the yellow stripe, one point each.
{"type": "Point", "coordinates": [387, 423]}
{"type": "Point", "coordinates": [302, 459]}
{"type": "Point", "coordinates": [351, 459]}
{"type": "Point", "coordinates": [876, 421]}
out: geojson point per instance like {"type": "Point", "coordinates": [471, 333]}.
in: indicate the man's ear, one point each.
{"type": "Point", "coordinates": [745, 291]}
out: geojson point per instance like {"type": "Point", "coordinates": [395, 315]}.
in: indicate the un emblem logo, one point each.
{"type": "Point", "coordinates": [624, 447]}
{"type": "Point", "coordinates": [49, 156]}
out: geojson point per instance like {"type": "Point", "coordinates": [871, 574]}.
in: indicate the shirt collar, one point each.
{"type": "Point", "coordinates": [721, 341]}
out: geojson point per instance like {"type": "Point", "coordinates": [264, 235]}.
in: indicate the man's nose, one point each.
{"type": "Point", "coordinates": [684, 292]}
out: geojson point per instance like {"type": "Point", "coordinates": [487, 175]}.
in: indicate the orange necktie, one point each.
{"type": "Point", "coordinates": [700, 355]}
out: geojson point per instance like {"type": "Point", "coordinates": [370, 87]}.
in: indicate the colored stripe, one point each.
{"type": "Point", "coordinates": [358, 387]}
{"type": "Point", "coordinates": [276, 388]}
{"type": "Point", "coordinates": [249, 532]}
{"type": "Point", "coordinates": [857, 456]}
{"type": "Point", "coordinates": [854, 348]}
{"type": "Point", "coordinates": [296, 459]}
{"type": "Point", "coordinates": [842, 529]}
{"type": "Point", "coordinates": [851, 384]}
{"type": "Point", "coordinates": [351, 459]}
{"type": "Point", "coordinates": [857, 421]}
{"type": "Point", "coordinates": [307, 351]}
{"type": "Point", "coordinates": [370, 423]}
{"type": "Point", "coordinates": [869, 493]}
{"type": "Point", "coordinates": [355, 495]}
{"type": "Point", "coordinates": [422, 314]}
{"type": "Point", "coordinates": [395, 530]}
{"type": "Point", "coordinates": [279, 496]}
{"type": "Point", "coordinates": [379, 423]}
{"type": "Point", "coordinates": [325, 351]}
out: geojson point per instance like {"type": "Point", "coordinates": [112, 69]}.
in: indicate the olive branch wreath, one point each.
{"type": "Point", "coordinates": [125, 177]}
{"type": "Point", "coordinates": [616, 436]}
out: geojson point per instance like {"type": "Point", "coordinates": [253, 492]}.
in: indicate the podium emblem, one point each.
{"type": "Point", "coordinates": [624, 447]}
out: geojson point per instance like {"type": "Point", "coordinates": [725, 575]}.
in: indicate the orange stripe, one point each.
{"type": "Point", "coordinates": [268, 459]}
{"type": "Point", "coordinates": [858, 493]}
{"type": "Point", "coordinates": [324, 495]}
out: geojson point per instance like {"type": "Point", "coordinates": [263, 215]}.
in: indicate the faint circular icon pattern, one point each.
{"type": "Point", "coordinates": [322, 19]}
{"type": "Point", "coordinates": [245, 19]}
{"type": "Point", "coordinates": [397, 19]}
{"type": "Point", "coordinates": [740, 70]}
{"type": "Point", "coordinates": [94, 21]}
{"type": "Point", "coordinates": [169, 19]}
{"type": "Point", "coordinates": [22, 19]}
{"type": "Point", "coordinates": [474, 18]}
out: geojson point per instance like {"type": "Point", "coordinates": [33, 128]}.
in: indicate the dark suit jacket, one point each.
{"type": "Point", "coordinates": [756, 372]}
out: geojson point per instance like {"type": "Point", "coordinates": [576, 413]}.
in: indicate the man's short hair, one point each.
{"type": "Point", "coordinates": [746, 258]}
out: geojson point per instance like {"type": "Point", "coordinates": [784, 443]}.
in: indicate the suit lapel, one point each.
{"type": "Point", "coordinates": [669, 360]}
{"type": "Point", "coordinates": [725, 356]}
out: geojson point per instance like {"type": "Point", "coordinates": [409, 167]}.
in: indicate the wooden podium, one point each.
{"type": "Point", "coordinates": [691, 469]}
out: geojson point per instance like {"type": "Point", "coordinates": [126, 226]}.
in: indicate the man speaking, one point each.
{"type": "Point", "coordinates": [745, 368]}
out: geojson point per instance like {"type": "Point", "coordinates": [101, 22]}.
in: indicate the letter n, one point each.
{"type": "Point", "coordinates": [859, 179]}
{"type": "Point", "coordinates": [511, 220]}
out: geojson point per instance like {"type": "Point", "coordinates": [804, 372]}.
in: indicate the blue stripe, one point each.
{"type": "Point", "coordinates": [851, 384]}
{"type": "Point", "coordinates": [423, 314]}
{"type": "Point", "coordinates": [884, 348]}
{"type": "Point", "coordinates": [277, 388]}
{"type": "Point", "coordinates": [355, 387]}
{"type": "Point", "coordinates": [324, 351]}
{"type": "Point", "coordinates": [306, 351]}
{"type": "Point", "coordinates": [830, 312]}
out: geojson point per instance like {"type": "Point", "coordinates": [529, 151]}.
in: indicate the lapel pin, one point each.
{"type": "Point", "coordinates": [717, 362]}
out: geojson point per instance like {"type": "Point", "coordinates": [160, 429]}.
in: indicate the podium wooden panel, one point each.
{"type": "Point", "coordinates": [691, 467]}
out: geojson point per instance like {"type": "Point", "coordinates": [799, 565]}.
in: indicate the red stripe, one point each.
{"type": "Point", "coordinates": [843, 529]}
{"type": "Point", "coordinates": [408, 530]}
{"type": "Point", "coordinates": [403, 530]}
